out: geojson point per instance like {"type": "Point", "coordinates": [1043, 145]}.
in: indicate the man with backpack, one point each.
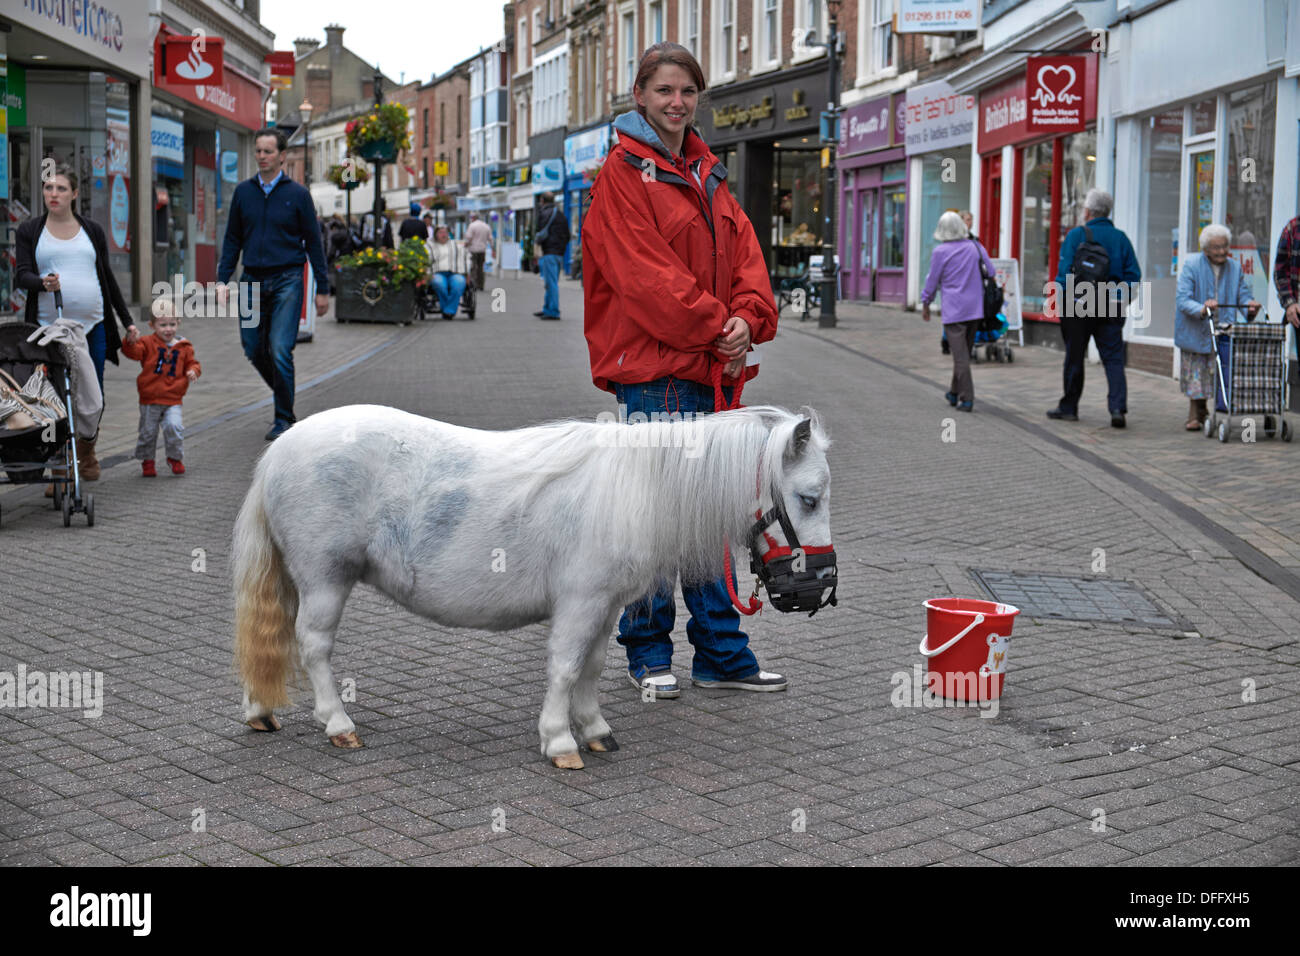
{"type": "Point", "coordinates": [1097, 271]}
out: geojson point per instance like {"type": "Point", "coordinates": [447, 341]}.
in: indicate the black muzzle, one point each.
{"type": "Point", "coordinates": [795, 577]}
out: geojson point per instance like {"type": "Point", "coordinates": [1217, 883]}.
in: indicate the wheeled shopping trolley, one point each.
{"type": "Point", "coordinates": [1252, 377]}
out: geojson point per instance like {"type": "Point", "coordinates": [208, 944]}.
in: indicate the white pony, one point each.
{"type": "Point", "coordinates": [570, 521]}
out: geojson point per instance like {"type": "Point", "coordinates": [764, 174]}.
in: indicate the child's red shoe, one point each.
{"type": "Point", "coordinates": [178, 466]}
{"type": "Point", "coordinates": [147, 469]}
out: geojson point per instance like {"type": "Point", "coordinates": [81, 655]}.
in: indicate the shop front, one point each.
{"type": "Point", "coordinates": [584, 154]}
{"type": "Point", "coordinates": [201, 142]}
{"type": "Point", "coordinates": [1033, 179]}
{"type": "Point", "coordinates": [873, 201]}
{"type": "Point", "coordinates": [1211, 145]}
{"type": "Point", "coordinates": [766, 135]}
{"type": "Point", "coordinates": [72, 94]}
{"type": "Point", "coordinates": [940, 125]}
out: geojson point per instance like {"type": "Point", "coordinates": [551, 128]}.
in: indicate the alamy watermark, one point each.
{"type": "Point", "coordinates": [686, 438]}
{"type": "Point", "coordinates": [953, 689]}
{"type": "Point", "coordinates": [208, 300]}
{"type": "Point", "coordinates": [76, 690]}
{"type": "Point", "coordinates": [1084, 299]}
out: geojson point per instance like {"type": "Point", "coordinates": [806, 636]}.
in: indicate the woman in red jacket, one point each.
{"type": "Point", "coordinates": [675, 291]}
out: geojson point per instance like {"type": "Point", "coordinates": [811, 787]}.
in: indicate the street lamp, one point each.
{"type": "Point", "coordinates": [305, 109]}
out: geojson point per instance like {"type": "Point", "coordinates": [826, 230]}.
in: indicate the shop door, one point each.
{"type": "Point", "coordinates": [869, 245]}
{"type": "Point", "coordinates": [1198, 166]}
{"type": "Point", "coordinates": [990, 224]}
{"type": "Point", "coordinates": [204, 216]}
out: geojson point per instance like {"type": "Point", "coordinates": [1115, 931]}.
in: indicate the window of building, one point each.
{"type": "Point", "coordinates": [690, 27]}
{"type": "Point", "coordinates": [425, 142]}
{"type": "Point", "coordinates": [627, 43]}
{"type": "Point", "coordinates": [767, 51]}
{"type": "Point", "coordinates": [1037, 221]}
{"type": "Point", "coordinates": [724, 15]}
{"type": "Point", "coordinates": [459, 113]}
{"type": "Point", "coordinates": [882, 35]}
{"type": "Point", "coordinates": [459, 177]}
{"type": "Point", "coordinates": [938, 196]}
{"type": "Point", "coordinates": [1252, 118]}
{"type": "Point", "coordinates": [1078, 175]}
{"type": "Point", "coordinates": [654, 23]}
{"type": "Point", "coordinates": [1162, 150]}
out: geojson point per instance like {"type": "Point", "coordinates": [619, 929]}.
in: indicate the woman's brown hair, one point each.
{"type": "Point", "coordinates": [64, 170]}
{"type": "Point", "coordinates": [667, 53]}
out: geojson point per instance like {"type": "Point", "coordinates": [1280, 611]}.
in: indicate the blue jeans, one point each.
{"type": "Point", "coordinates": [645, 630]}
{"type": "Point", "coordinates": [551, 277]}
{"type": "Point", "coordinates": [449, 287]}
{"type": "Point", "coordinates": [268, 338]}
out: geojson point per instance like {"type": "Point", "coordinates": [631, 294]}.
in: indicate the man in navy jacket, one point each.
{"type": "Point", "coordinates": [1103, 319]}
{"type": "Point", "coordinates": [273, 223]}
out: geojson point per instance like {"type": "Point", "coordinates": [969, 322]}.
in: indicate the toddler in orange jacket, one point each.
{"type": "Point", "coordinates": [168, 366]}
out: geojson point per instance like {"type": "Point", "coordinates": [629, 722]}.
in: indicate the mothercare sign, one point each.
{"type": "Point", "coordinates": [114, 30]}
{"type": "Point", "coordinates": [1055, 86]}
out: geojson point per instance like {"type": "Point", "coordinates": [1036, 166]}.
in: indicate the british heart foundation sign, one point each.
{"type": "Point", "coordinates": [1056, 90]}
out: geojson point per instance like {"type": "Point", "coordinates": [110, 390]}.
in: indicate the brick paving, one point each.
{"type": "Point", "coordinates": [1146, 726]}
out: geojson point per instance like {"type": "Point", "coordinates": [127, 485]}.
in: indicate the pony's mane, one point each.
{"type": "Point", "coordinates": [686, 485]}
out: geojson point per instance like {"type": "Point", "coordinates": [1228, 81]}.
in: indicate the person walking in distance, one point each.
{"type": "Point", "coordinates": [413, 227]}
{"type": "Point", "coordinates": [478, 237]}
{"type": "Point", "coordinates": [553, 237]}
{"type": "Point", "coordinates": [1096, 260]}
{"type": "Point", "coordinates": [272, 225]}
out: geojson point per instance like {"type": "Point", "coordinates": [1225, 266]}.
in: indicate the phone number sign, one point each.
{"type": "Point", "coordinates": [938, 16]}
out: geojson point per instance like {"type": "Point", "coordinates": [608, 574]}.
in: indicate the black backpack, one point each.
{"type": "Point", "coordinates": [992, 298]}
{"type": "Point", "coordinates": [1091, 266]}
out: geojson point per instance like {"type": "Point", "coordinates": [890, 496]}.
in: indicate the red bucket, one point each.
{"type": "Point", "coordinates": [966, 643]}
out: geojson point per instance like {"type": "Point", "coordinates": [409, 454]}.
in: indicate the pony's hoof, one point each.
{"type": "Point", "coordinates": [567, 761]}
{"type": "Point", "coordinates": [603, 745]}
{"type": "Point", "coordinates": [267, 724]}
{"type": "Point", "coordinates": [348, 741]}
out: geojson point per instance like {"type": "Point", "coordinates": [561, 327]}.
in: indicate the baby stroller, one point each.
{"type": "Point", "coordinates": [25, 453]}
{"type": "Point", "coordinates": [990, 336]}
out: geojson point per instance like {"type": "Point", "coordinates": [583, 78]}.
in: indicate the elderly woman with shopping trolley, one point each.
{"type": "Point", "coordinates": [1211, 288]}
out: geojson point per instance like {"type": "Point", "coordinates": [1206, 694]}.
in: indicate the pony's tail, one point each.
{"type": "Point", "coordinates": [266, 604]}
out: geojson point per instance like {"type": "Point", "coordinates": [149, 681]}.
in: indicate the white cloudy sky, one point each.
{"type": "Point", "coordinates": [419, 37]}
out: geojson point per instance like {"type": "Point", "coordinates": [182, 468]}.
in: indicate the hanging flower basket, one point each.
{"type": "Point", "coordinates": [381, 150]}
{"type": "Point", "coordinates": [380, 134]}
{"type": "Point", "coordinates": [348, 175]}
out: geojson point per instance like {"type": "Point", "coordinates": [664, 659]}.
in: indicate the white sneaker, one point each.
{"type": "Point", "coordinates": [657, 685]}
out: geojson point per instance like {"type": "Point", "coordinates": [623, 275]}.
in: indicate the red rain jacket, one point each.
{"type": "Point", "coordinates": [666, 262]}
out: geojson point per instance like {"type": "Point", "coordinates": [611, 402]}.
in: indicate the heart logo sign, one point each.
{"type": "Point", "coordinates": [1055, 88]}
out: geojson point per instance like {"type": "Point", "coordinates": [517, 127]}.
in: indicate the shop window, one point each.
{"type": "Point", "coordinates": [1037, 223]}
{"type": "Point", "coordinates": [1162, 150]}
{"type": "Point", "coordinates": [893, 219]}
{"type": "Point", "coordinates": [1252, 117]}
{"type": "Point", "coordinates": [1078, 175]}
{"type": "Point", "coordinates": [797, 198]}
{"type": "Point", "coordinates": [938, 197]}
{"type": "Point", "coordinates": [1204, 115]}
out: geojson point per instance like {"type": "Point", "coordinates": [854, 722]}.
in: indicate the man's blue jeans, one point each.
{"type": "Point", "coordinates": [449, 287]}
{"type": "Point", "coordinates": [551, 277]}
{"type": "Point", "coordinates": [645, 630]}
{"type": "Point", "coordinates": [269, 337]}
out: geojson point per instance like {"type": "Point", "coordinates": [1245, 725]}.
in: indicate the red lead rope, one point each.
{"type": "Point", "coordinates": [720, 405]}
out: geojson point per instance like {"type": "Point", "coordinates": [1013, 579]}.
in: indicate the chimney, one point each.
{"type": "Point", "coordinates": [334, 36]}
{"type": "Point", "coordinates": [302, 47]}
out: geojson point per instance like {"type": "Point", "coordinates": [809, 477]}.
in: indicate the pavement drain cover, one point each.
{"type": "Point", "coordinates": [1075, 599]}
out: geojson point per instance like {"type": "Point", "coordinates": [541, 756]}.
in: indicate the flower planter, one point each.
{"type": "Point", "coordinates": [380, 150]}
{"type": "Point", "coordinates": [361, 298]}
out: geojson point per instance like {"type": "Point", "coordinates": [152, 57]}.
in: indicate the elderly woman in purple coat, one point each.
{"type": "Point", "coordinates": [955, 273]}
